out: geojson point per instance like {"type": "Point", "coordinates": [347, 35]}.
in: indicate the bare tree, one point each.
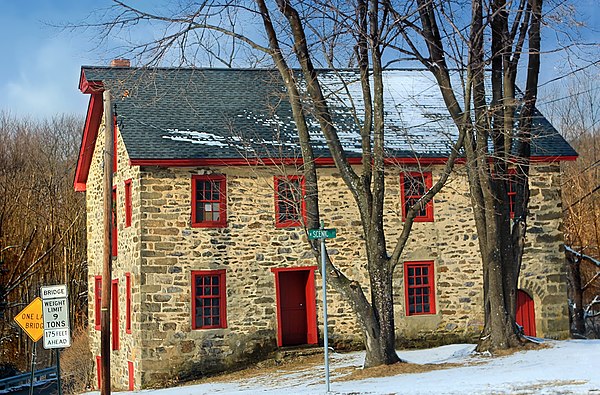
{"type": "Point", "coordinates": [577, 114]}
{"type": "Point", "coordinates": [484, 105]}
{"type": "Point", "coordinates": [42, 220]}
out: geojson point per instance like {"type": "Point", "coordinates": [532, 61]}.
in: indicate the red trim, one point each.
{"type": "Point", "coordinates": [99, 370]}
{"type": "Point", "coordinates": [130, 375]}
{"type": "Point", "coordinates": [427, 180]}
{"type": "Point", "coordinates": [115, 314]}
{"type": "Point", "coordinates": [222, 222]}
{"type": "Point", "coordinates": [86, 86]}
{"type": "Point", "coordinates": [272, 161]}
{"type": "Point", "coordinates": [431, 285]}
{"type": "Point", "coordinates": [88, 142]}
{"type": "Point", "coordinates": [128, 203]}
{"type": "Point", "coordinates": [97, 301]}
{"type": "Point", "coordinates": [318, 161]}
{"type": "Point", "coordinates": [511, 191]}
{"type": "Point", "coordinates": [277, 181]}
{"type": "Point", "coordinates": [115, 147]}
{"type": "Point", "coordinates": [553, 158]}
{"type": "Point", "coordinates": [222, 298]}
{"type": "Point", "coordinates": [114, 232]}
{"type": "Point", "coordinates": [128, 303]}
{"type": "Point", "coordinates": [311, 303]}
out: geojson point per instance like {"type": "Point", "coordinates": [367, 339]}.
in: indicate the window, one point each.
{"type": "Point", "coordinates": [127, 203]}
{"type": "Point", "coordinates": [419, 288]}
{"type": "Point", "coordinates": [511, 191]}
{"type": "Point", "coordinates": [114, 222]}
{"type": "Point", "coordinates": [290, 207]}
{"type": "Point", "coordinates": [97, 301]}
{"type": "Point", "coordinates": [115, 314]}
{"type": "Point", "coordinates": [208, 302]}
{"type": "Point", "coordinates": [128, 303]}
{"type": "Point", "coordinates": [413, 185]}
{"type": "Point", "coordinates": [209, 201]}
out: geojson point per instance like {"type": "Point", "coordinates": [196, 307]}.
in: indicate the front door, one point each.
{"type": "Point", "coordinates": [293, 307]}
{"type": "Point", "coordinates": [296, 306]}
{"type": "Point", "coordinates": [525, 313]}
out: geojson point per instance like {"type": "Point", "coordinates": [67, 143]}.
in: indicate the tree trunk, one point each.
{"type": "Point", "coordinates": [576, 294]}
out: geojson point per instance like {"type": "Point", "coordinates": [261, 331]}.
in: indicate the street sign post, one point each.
{"type": "Point", "coordinates": [30, 319]}
{"type": "Point", "coordinates": [322, 234]}
{"type": "Point", "coordinates": [57, 329]}
{"type": "Point", "coordinates": [314, 234]}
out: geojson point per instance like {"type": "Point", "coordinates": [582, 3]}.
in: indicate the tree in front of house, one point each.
{"type": "Point", "coordinates": [296, 38]}
{"type": "Point", "coordinates": [489, 45]}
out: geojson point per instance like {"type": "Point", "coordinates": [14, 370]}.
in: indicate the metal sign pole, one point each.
{"type": "Point", "coordinates": [58, 371]}
{"type": "Point", "coordinates": [32, 369]}
{"type": "Point", "coordinates": [325, 335]}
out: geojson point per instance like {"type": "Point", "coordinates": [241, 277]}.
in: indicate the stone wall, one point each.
{"type": "Point", "coordinates": [161, 248]}
{"type": "Point", "coordinates": [127, 259]}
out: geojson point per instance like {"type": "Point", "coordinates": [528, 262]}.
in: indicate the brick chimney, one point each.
{"type": "Point", "coordinates": [120, 63]}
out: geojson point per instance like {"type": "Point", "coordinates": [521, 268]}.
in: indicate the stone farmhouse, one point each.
{"type": "Point", "coordinates": [211, 266]}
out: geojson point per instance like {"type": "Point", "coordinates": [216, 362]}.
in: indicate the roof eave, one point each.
{"type": "Point", "coordinates": [90, 129]}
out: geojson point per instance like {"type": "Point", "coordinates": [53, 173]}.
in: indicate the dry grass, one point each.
{"type": "Point", "coordinates": [356, 373]}
{"type": "Point", "coordinates": [271, 367]}
{"type": "Point", "coordinates": [76, 364]}
{"type": "Point", "coordinates": [524, 347]}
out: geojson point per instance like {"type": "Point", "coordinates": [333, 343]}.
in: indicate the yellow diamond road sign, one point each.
{"type": "Point", "coordinates": [31, 319]}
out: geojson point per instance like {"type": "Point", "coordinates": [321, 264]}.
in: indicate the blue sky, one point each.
{"type": "Point", "coordinates": [40, 63]}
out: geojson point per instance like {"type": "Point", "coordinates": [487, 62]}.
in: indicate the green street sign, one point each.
{"type": "Point", "coordinates": [321, 234]}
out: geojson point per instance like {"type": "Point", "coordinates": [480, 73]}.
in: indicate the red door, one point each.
{"type": "Point", "coordinates": [292, 298]}
{"type": "Point", "coordinates": [526, 313]}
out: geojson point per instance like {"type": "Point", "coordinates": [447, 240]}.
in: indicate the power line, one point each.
{"type": "Point", "coordinates": [572, 177]}
{"type": "Point", "coordinates": [583, 197]}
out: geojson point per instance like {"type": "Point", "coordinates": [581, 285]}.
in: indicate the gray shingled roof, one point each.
{"type": "Point", "coordinates": [244, 113]}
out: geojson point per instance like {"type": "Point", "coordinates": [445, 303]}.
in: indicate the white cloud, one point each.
{"type": "Point", "coordinates": [46, 82]}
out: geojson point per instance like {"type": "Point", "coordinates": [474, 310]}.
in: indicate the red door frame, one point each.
{"type": "Point", "coordinates": [526, 313]}
{"type": "Point", "coordinates": [115, 314]}
{"type": "Point", "coordinates": [311, 303]}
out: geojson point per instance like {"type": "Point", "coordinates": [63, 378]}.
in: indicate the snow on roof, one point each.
{"type": "Point", "coordinates": [232, 113]}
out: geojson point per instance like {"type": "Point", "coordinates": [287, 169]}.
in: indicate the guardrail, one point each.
{"type": "Point", "coordinates": [22, 379]}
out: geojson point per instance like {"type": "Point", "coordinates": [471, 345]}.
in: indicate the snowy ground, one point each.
{"type": "Point", "coordinates": [565, 367]}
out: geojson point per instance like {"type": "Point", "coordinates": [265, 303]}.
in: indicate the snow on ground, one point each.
{"type": "Point", "coordinates": [565, 367]}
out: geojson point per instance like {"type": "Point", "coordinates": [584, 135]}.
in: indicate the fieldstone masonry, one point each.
{"type": "Point", "coordinates": [160, 249]}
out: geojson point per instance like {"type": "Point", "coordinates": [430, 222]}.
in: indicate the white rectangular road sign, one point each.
{"type": "Point", "coordinates": [55, 311]}
{"type": "Point", "coordinates": [57, 338]}
{"type": "Point", "coordinates": [54, 291]}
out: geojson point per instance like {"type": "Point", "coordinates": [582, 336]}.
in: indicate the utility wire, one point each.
{"type": "Point", "coordinates": [583, 197]}
{"type": "Point", "coordinates": [580, 172]}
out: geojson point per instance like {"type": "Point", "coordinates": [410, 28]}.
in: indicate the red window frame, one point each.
{"type": "Point", "coordinates": [214, 198]}
{"type": "Point", "coordinates": [130, 375]}
{"type": "Point", "coordinates": [419, 288]}
{"type": "Point", "coordinates": [97, 302]}
{"type": "Point", "coordinates": [289, 193]}
{"type": "Point", "coordinates": [99, 370]}
{"type": "Point", "coordinates": [128, 303]}
{"type": "Point", "coordinates": [414, 193]}
{"type": "Point", "coordinates": [114, 239]}
{"type": "Point", "coordinates": [209, 285]}
{"type": "Point", "coordinates": [511, 191]}
{"type": "Point", "coordinates": [115, 314]}
{"type": "Point", "coordinates": [128, 203]}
